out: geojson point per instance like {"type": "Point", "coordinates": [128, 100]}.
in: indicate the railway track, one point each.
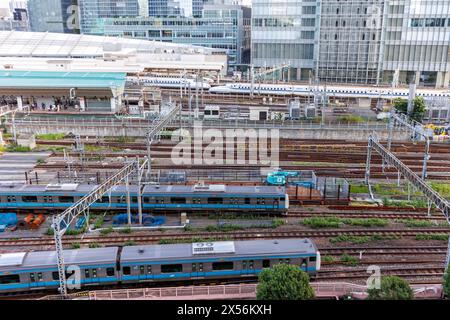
{"type": "Point", "coordinates": [390, 216]}
{"type": "Point", "coordinates": [200, 236]}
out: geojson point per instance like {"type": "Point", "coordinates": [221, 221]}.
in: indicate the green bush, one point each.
{"type": "Point", "coordinates": [351, 119]}
{"type": "Point", "coordinates": [318, 222]}
{"type": "Point", "coordinates": [446, 285]}
{"type": "Point", "coordinates": [17, 148]}
{"type": "Point", "coordinates": [413, 223]}
{"type": "Point", "coordinates": [94, 245]}
{"type": "Point", "coordinates": [76, 246]}
{"type": "Point", "coordinates": [106, 231]}
{"type": "Point", "coordinates": [438, 237]}
{"type": "Point", "coordinates": [371, 222]}
{"type": "Point", "coordinates": [328, 259]}
{"type": "Point", "coordinates": [284, 282]}
{"type": "Point", "coordinates": [129, 243]}
{"type": "Point", "coordinates": [126, 230]}
{"type": "Point", "coordinates": [392, 288]}
{"type": "Point", "coordinates": [349, 260]}
{"type": "Point", "coordinates": [51, 136]}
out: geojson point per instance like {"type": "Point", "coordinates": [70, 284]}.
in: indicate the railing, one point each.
{"type": "Point", "coordinates": [239, 291]}
{"type": "Point", "coordinates": [201, 292]}
{"type": "Point", "coordinates": [145, 124]}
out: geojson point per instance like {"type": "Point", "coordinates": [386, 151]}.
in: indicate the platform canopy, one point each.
{"type": "Point", "coordinates": [38, 79]}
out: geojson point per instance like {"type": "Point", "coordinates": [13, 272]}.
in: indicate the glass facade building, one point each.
{"type": "Point", "coordinates": [284, 32]}
{"type": "Point", "coordinates": [54, 16]}
{"type": "Point", "coordinates": [94, 12]}
{"type": "Point", "coordinates": [417, 42]}
{"type": "Point", "coordinates": [221, 27]}
{"type": "Point", "coordinates": [350, 41]}
{"type": "Point", "coordinates": [176, 8]}
{"type": "Point", "coordinates": [355, 41]}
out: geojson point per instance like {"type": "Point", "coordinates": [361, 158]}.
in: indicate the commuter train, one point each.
{"type": "Point", "coordinates": [169, 82]}
{"type": "Point", "coordinates": [335, 91]}
{"type": "Point", "coordinates": [197, 262]}
{"type": "Point", "coordinates": [215, 198]}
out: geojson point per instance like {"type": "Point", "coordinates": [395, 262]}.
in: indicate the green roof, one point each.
{"type": "Point", "coordinates": [43, 79]}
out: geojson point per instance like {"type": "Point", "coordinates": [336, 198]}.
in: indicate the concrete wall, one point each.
{"type": "Point", "coordinates": [327, 132]}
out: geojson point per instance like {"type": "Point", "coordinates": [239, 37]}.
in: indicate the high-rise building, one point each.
{"type": "Point", "coordinates": [176, 8]}
{"type": "Point", "coordinates": [285, 32]}
{"type": "Point", "coordinates": [54, 16]}
{"type": "Point", "coordinates": [220, 26]}
{"type": "Point", "coordinates": [15, 16]}
{"type": "Point", "coordinates": [94, 12]}
{"type": "Point", "coordinates": [350, 41]}
{"type": "Point", "coordinates": [355, 41]}
{"type": "Point", "coordinates": [417, 42]}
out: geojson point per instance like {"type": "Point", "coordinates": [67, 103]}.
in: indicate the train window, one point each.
{"type": "Point", "coordinates": [39, 276]}
{"type": "Point", "coordinates": [134, 199]}
{"type": "Point", "coordinates": [55, 275]}
{"type": "Point", "coordinates": [48, 199]}
{"type": "Point", "coordinates": [171, 268]}
{"type": "Point", "coordinates": [66, 199]}
{"type": "Point", "coordinates": [94, 273]}
{"type": "Point", "coordinates": [250, 264]}
{"type": "Point", "coordinates": [266, 264]}
{"type": "Point", "coordinates": [215, 200]}
{"type": "Point", "coordinates": [11, 198]}
{"type": "Point", "coordinates": [247, 200]}
{"type": "Point", "coordinates": [147, 199]}
{"type": "Point", "coordinates": [226, 265]}
{"type": "Point", "coordinates": [29, 198]}
{"type": "Point", "coordinates": [304, 263]}
{"type": "Point", "coordinates": [244, 264]}
{"type": "Point", "coordinates": [32, 277]}
{"type": "Point", "coordinates": [176, 200]}
{"type": "Point", "coordinates": [288, 261]}
{"type": "Point", "coordinates": [110, 272]}
{"type": "Point", "coordinates": [200, 267]}
{"type": "Point", "coordinates": [142, 269]}
{"type": "Point", "coordinates": [149, 269]}
{"type": "Point", "coordinates": [87, 274]}
{"type": "Point", "coordinates": [194, 267]}
{"type": "Point", "coordinates": [312, 259]}
{"type": "Point", "coordinates": [126, 270]}
{"type": "Point", "coordinates": [10, 278]}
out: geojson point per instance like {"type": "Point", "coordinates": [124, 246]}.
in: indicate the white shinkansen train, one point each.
{"type": "Point", "coordinates": [334, 91]}
{"type": "Point", "coordinates": [169, 82]}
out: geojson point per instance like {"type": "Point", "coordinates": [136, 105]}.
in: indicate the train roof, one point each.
{"type": "Point", "coordinates": [58, 188]}
{"type": "Point", "coordinates": [228, 249]}
{"type": "Point", "coordinates": [214, 189]}
{"type": "Point", "coordinates": [41, 259]}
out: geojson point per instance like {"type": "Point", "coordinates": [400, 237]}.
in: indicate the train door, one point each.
{"type": "Point", "coordinates": [34, 279]}
{"type": "Point", "coordinates": [197, 270]}
{"type": "Point", "coordinates": [248, 267]}
{"type": "Point", "coordinates": [143, 273]}
{"type": "Point", "coordinates": [87, 276]}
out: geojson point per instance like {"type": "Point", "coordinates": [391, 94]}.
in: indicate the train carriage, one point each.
{"type": "Point", "coordinates": [154, 197]}
{"type": "Point", "coordinates": [27, 271]}
{"type": "Point", "coordinates": [37, 271]}
{"type": "Point", "coordinates": [215, 260]}
{"type": "Point", "coordinates": [215, 198]}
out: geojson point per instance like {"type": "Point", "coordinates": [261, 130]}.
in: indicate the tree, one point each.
{"type": "Point", "coordinates": [284, 282]}
{"type": "Point", "coordinates": [392, 288]}
{"type": "Point", "coordinates": [447, 282]}
{"type": "Point", "coordinates": [401, 105]}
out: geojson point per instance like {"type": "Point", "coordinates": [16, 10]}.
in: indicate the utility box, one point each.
{"type": "Point", "coordinates": [259, 113]}
{"type": "Point", "coordinates": [184, 218]}
{"type": "Point", "coordinates": [27, 141]}
{"type": "Point", "coordinates": [294, 109]}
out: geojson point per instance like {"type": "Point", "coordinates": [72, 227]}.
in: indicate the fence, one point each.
{"type": "Point", "coordinates": [239, 291]}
